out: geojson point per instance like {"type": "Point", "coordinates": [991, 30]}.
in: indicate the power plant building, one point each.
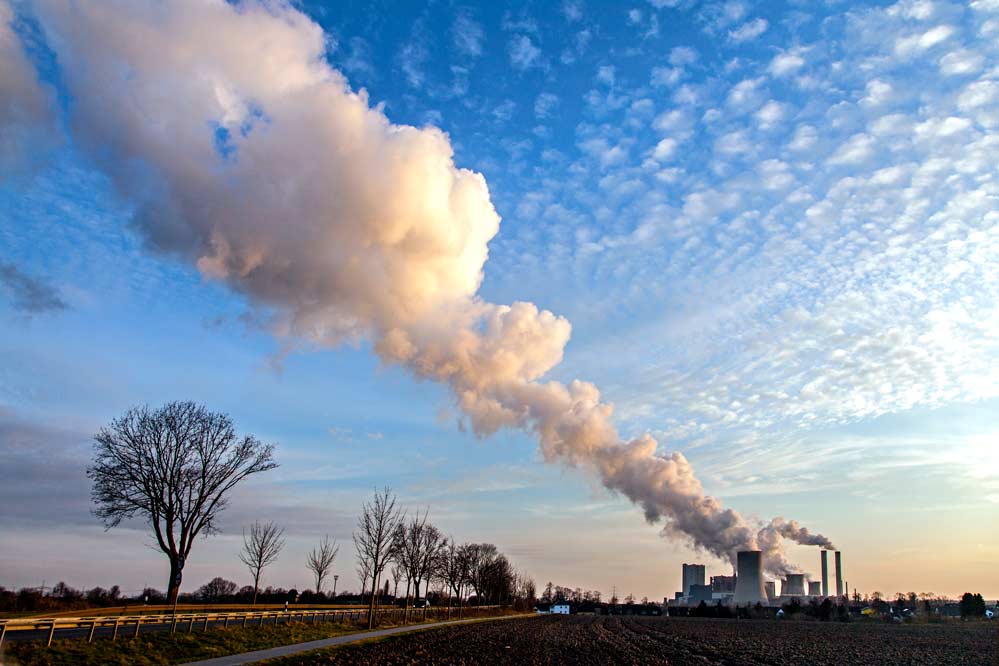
{"type": "Point", "coordinates": [723, 584]}
{"type": "Point", "coordinates": [814, 588]}
{"type": "Point", "coordinates": [749, 578]}
{"type": "Point", "coordinates": [699, 593]}
{"type": "Point", "coordinates": [771, 588]}
{"type": "Point", "coordinates": [693, 574]}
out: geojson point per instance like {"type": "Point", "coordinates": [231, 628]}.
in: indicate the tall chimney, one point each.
{"type": "Point", "coordinates": [839, 575]}
{"type": "Point", "coordinates": [749, 578]}
{"type": "Point", "coordinates": [825, 573]}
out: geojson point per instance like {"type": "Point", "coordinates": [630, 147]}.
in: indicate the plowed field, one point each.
{"type": "Point", "coordinates": [586, 640]}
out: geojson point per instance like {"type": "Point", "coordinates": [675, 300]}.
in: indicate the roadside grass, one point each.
{"type": "Point", "coordinates": [163, 648]}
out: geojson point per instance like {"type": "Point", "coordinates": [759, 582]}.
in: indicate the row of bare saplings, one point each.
{"type": "Point", "coordinates": [392, 546]}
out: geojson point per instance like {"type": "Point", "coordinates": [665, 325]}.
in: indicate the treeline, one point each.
{"type": "Point", "coordinates": [396, 552]}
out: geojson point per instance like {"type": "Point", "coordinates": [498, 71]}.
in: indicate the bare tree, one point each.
{"type": "Point", "coordinates": [481, 556]}
{"type": "Point", "coordinates": [320, 560]}
{"type": "Point", "coordinates": [173, 467]}
{"type": "Point", "coordinates": [373, 539]}
{"type": "Point", "coordinates": [454, 567]}
{"type": "Point", "coordinates": [260, 548]}
{"type": "Point", "coordinates": [417, 548]}
{"type": "Point", "coordinates": [397, 574]}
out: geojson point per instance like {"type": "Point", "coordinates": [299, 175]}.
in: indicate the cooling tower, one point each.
{"type": "Point", "coordinates": [825, 573]}
{"type": "Point", "coordinates": [839, 575]}
{"type": "Point", "coordinates": [771, 588]}
{"type": "Point", "coordinates": [749, 581]}
{"type": "Point", "coordinates": [814, 588]}
{"type": "Point", "coordinates": [793, 586]}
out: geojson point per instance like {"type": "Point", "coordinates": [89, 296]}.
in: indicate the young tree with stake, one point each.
{"type": "Point", "coordinates": [373, 539]}
{"type": "Point", "coordinates": [320, 560]}
{"type": "Point", "coordinates": [260, 548]}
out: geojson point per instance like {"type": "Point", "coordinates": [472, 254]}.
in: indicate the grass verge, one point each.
{"type": "Point", "coordinates": [161, 649]}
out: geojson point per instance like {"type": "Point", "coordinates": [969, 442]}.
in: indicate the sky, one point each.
{"type": "Point", "coordinates": [774, 228]}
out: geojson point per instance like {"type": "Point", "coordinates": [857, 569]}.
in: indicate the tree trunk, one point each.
{"type": "Point", "coordinates": [256, 586]}
{"type": "Point", "coordinates": [405, 614]}
{"type": "Point", "coordinates": [371, 604]}
{"type": "Point", "coordinates": [173, 586]}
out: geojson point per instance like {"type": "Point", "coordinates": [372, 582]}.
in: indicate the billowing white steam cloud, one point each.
{"type": "Point", "coordinates": [252, 158]}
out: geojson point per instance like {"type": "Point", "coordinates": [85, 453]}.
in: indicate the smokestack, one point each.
{"type": "Point", "coordinates": [825, 573]}
{"type": "Point", "coordinates": [839, 575]}
{"type": "Point", "coordinates": [749, 580]}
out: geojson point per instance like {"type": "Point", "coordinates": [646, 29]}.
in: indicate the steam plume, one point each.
{"type": "Point", "coordinates": [251, 158]}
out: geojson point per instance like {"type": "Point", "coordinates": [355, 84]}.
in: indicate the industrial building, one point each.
{"type": "Point", "coordinates": [693, 574]}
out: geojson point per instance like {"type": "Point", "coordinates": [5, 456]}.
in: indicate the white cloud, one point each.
{"type": "Point", "coordinates": [961, 62]}
{"type": "Point", "coordinates": [664, 150]}
{"type": "Point", "coordinates": [857, 149]}
{"type": "Point", "coordinates": [786, 63]}
{"type": "Point", "coordinates": [467, 35]}
{"type": "Point", "coordinates": [878, 92]}
{"type": "Point", "coordinates": [770, 114]}
{"type": "Point", "coordinates": [605, 74]}
{"type": "Point", "coordinates": [749, 30]}
{"type": "Point", "coordinates": [523, 53]}
{"type": "Point", "coordinates": [917, 43]}
{"type": "Point", "coordinates": [682, 56]}
{"type": "Point", "coordinates": [544, 103]}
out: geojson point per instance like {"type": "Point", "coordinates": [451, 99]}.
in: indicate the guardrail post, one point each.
{"type": "Point", "coordinates": [115, 634]}
{"type": "Point", "coordinates": [138, 621]}
{"type": "Point", "coordinates": [173, 627]}
{"type": "Point", "coordinates": [205, 628]}
{"type": "Point", "coordinates": [51, 633]}
{"type": "Point", "coordinates": [225, 625]}
{"type": "Point", "coordinates": [93, 628]}
{"type": "Point", "coordinates": [190, 625]}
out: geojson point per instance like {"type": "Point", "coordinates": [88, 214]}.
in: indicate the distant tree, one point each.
{"type": "Point", "coordinates": [373, 539]}
{"type": "Point", "coordinates": [172, 466]}
{"type": "Point", "coordinates": [397, 574]}
{"type": "Point", "coordinates": [66, 593]}
{"type": "Point", "coordinates": [153, 596]}
{"type": "Point", "coordinates": [972, 605]}
{"type": "Point", "coordinates": [217, 589]}
{"type": "Point", "coordinates": [320, 560]}
{"type": "Point", "coordinates": [99, 596]}
{"type": "Point", "coordinates": [261, 547]}
{"type": "Point", "coordinates": [481, 556]}
{"type": "Point", "coordinates": [548, 595]}
{"type": "Point", "coordinates": [417, 547]}
{"type": "Point", "coordinates": [454, 567]}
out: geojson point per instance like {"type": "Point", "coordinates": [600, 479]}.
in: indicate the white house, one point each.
{"type": "Point", "coordinates": [560, 609]}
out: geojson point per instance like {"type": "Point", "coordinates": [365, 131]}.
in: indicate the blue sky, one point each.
{"type": "Point", "coordinates": [774, 228]}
